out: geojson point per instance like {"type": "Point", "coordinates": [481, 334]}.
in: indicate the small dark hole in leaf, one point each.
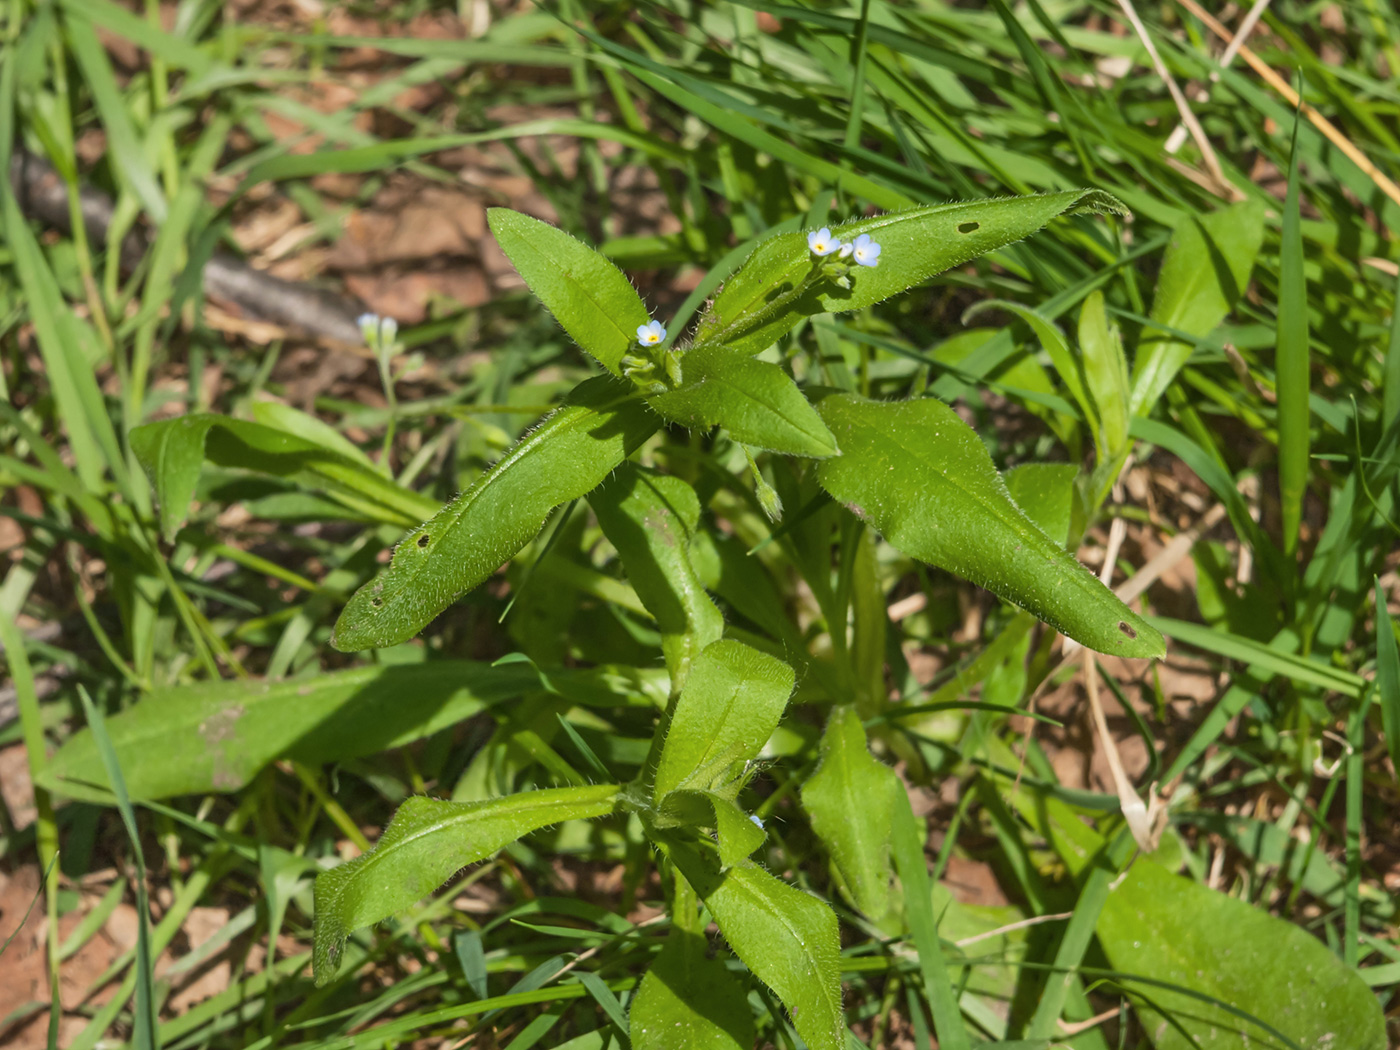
{"type": "Point", "coordinates": [424, 540]}
{"type": "Point", "coordinates": [376, 602]}
{"type": "Point", "coordinates": [1126, 629]}
{"type": "Point", "coordinates": [969, 227]}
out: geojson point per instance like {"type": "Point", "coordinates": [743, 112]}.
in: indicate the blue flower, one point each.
{"type": "Point", "coordinates": [865, 251]}
{"type": "Point", "coordinates": [822, 243]}
{"type": "Point", "coordinates": [651, 333]}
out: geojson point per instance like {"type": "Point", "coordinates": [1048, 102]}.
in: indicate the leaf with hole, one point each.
{"type": "Point", "coordinates": [921, 476]}
{"type": "Point", "coordinates": [765, 299]}
{"type": "Point", "coordinates": [564, 458]}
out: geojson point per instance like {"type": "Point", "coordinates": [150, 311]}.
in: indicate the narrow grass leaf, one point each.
{"type": "Point", "coordinates": [1388, 676]}
{"type": "Point", "coordinates": [1291, 362]}
{"type": "Point", "coordinates": [144, 1032]}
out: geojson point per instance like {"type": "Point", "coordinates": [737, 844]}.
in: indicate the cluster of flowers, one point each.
{"type": "Point", "coordinates": [862, 251]}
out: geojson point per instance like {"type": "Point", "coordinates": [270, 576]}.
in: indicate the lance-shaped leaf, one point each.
{"type": "Point", "coordinates": [756, 401]}
{"type": "Point", "coordinates": [650, 518]}
{"type": "Point", "coordinates": [757, 305]}
{"type": "Point", "coordinates": [1206, 269]}
{"type": "Point", "coordinates": [1221, 967]}
{"type": "Point", "coordinates": [1045, 491]}
{"type": "Point", "coordinates": [214, 736]}
{"type": "Point", "coordinates": [739, 833]}
{"type": "Point", "coordinates": [921, 476]}
{"type": "Point", "coordinates": [586, 293]}
{"type": "Point", "coordinates": [424, 845]}
{"type": "Point", "coordinates": [727, 711]}
{"type": "Point", "coordinates": [466, 541]}
{"type": "Point", "coordinates": [173, 451]}
{"type": "Point", "coordinates": [786, 937]}
{"type": "Point", "coordinates": [688, 1001]}
{"type": "Point", "coordinates": [850, 800]}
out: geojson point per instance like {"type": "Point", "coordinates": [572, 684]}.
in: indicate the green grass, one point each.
{"type": "Point", "coordinates": [753, 118]}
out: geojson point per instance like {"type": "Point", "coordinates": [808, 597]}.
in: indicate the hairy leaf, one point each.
{"type": "Point", "coordinates": [757, 402]}
{"type": "Point", "coordinates": [688, 1001]}
{"type": "Point", "coordinates": [727, 711]}
{"type": "Point", "coordinates": [916, 244]}
{"type": "Point", "coordinates": [1045, 491]}
{"type": "Point", "coordinates": [923, 478]}
{"type": "Point", "coordinates": [585, 292]}
{"type": "Point", "coordinates": [424, 845]}
{"type": "Point", "coordinates": [466, 541]}
{"type": "Point", "coordinates": [850, 800]}
{"type": "Point", "coordinates": [787, 938]}
{"type": "Point", "coordinates": [650, 518]}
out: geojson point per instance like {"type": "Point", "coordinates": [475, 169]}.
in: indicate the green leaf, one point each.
{"type": "Point", "coordinates": [173, 451]}
{"type": "Point", "coordinates": [651, 518]}
{"type": "Point", "coordinates": [466, 541]}
{"type": "Point", "coordinates": [1106, 374]}
{"type": "Point", "coordinates": [1237, 959]}
{"type": "Point", "coordinates": [1045, 491]}
{"type": "Point", "coordinates": [850, 800]}
{"type": "Point", "coordinates": [787, 938]}
{"type": "Point", "coordinates": [756, 401]}
{"type": "Point", "coordinates": [1205, 271]}
{"type": "Point", "coordinates": [586, 293]}
{"type": "Point", "coordinates": [1388, 677]}
{"type": "Point", "coordinates": [739, 834]}
{"type": "Point", "coordinates": [688, 1001]}
{"type": "Point", "coordinates": [921, 476]}
{"type": "Point", "coordinates": [916, 244]}
{"type": "Point", "coordinates": [728, 709]}
{"type": "Point", "coordinates": [1292, 371]}
{"type": "Point", "coordinates": [424, 845]}
{"type": "Point", "coordinates": [215, 736]}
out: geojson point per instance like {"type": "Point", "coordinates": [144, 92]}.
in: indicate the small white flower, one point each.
{"type": "Point", "coordinates": [757, 822]}
{"type": "Point", "coordinates": [846, 250]}
{"type": "Point", "coordinates": [379, 333]}
{"type": "Point", "coordinates": [822, 243]}
{"type": "Point", "coordinates": [650, 334]}
{"type": "Point", "coordinates": [865, 251]}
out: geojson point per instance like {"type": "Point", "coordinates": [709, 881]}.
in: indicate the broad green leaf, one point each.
{"type": "Point", "coordinates": [1236, 958]}
{"type": "Point", "coordinates": [1205, 271]}
{"type": "Point", "coordinates": [1045, 491]}
{"type": "Point", "coordinates": [466, 541]}
{"type": "Point", "coordinates": [757, 402]}
{"type": "Point", "coordinates": [1217, 964]}
{"type": "Point", "coordinates": [586, 293]}
{"type": "Point", "coordinates": [787, 938]}
{"type": "Point", "coordinates": [850, 800]}
{"type": "Point", "coordinates": [730, 705]}
{"type": "Point", "coordinates": [689, 1001]}
{"type": "Point", "coordinates": [920, 475]}
{"type": "Point", "coordinates": [214, 736]}
{"type": "Point", "coordinates": [424, 845]}
{"type": "Point", "coordinates": [756, 306]}
{"type": "Point", "coordinates": [651, 518]}
{"type": "Point", "coordinates": [1106, 375]}
{"type": "Point", "coordinates": [173, 451]}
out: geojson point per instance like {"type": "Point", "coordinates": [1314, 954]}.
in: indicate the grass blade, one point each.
{"type": "Point", "coordinates": [1291, 363]}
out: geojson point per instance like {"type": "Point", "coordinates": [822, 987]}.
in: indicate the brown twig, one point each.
{"type": "Point", "coordinates": [1353, 153]}
{"type": "Point", "coordinates": [42, 194]}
